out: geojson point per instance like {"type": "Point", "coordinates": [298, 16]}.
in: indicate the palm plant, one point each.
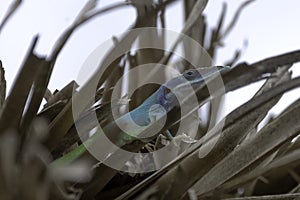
{"type": "Point", "coordinates": [42, 155]}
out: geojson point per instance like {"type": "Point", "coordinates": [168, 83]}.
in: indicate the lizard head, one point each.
{"type": "Point", "coordinates": [185, 84]}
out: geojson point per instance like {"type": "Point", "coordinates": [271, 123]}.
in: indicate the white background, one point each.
{"type": "Point", "coordinates": [271, 27]}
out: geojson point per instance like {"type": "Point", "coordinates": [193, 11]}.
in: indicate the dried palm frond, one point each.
{"type": "Point", "coordinates": [234, 161]}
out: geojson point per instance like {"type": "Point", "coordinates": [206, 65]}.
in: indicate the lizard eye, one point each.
{"type": "Point", "coordinates": [190, 74]}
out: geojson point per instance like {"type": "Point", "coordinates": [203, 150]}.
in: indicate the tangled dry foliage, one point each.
{"type": "Point", "coordinates": [246, 163]}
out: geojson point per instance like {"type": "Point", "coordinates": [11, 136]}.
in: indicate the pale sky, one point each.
{"type": "Point", "coordinates": [270, 27]}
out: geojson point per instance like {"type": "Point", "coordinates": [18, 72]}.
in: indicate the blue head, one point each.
{"type": "Point", "coordinates": [167, 95]}
{"type": "Point", "coordinates": [184, 84]}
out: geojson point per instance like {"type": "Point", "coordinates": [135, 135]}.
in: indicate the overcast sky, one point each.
{"type": "Point", "coordinates": [271, 27]}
